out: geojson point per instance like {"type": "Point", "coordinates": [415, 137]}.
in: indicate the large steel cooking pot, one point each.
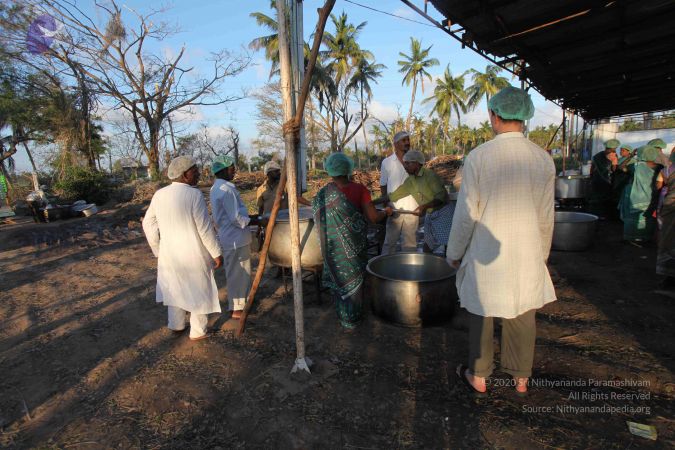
{"type": "Point", "coordinates": [572, 186]}
{"type": "Point", "coordinates": [412, 289]}
{"type": "Point", "coordinates": [573, 231]}
{"type": "Point", "coordinates": [280, 247]}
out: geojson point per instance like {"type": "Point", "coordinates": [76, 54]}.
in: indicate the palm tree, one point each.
{"type": "Point", "coordinates": [269, 42]}
{"type": "Point", "coordinates": [343, 51]}
{"type": "Point", "coordinates": [449, 95]}
{"type": "Point", "coordinates": [485, 84]}
{"type": "Point", "coordinates": [365, 72]}
{"type": "Point", "coordinates": [415, 67]}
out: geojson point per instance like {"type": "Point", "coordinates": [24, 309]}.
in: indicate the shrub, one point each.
{"type": "Point", "coordinates": [79, 183]}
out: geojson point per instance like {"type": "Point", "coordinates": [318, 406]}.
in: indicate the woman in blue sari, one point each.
{"type": "Point", "coordinates": [640, 197]}
{"type": "Point", "coordinates": [340, 210]}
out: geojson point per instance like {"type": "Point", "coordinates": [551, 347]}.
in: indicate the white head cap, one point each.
{"type": "Point", "coordinates": [414, 156]}
{"type": "Point", "coordinates": [400, 135]}
{"type": "Point", "coordinates": [270, 166]}
{"type": "Point", "coordinates": [179, 166]}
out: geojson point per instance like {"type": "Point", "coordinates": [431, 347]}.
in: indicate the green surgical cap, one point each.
{"type": "Point", "coordinates": [338, 164]}
{"type": "Point", "coordinates": [221, 162]}
{"type": "Point", "coordinates": [612, 143]}
{"type": "Point", "coordinates": [649, 153]}
{"type": "Point", "coordinates": [658, 143]}
{"type": "Point", "coordinates": [626, 146]}
{"type": "Point", "coordinates": [512, 104]}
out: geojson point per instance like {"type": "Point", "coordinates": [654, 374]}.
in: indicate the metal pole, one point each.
{"type": "Point", "coordinates": [298, 73]}
{"type": "Point", "coordinates": [564, 138]}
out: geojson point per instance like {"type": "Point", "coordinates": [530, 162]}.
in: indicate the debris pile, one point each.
{"type": "Point", "coordinates": [445, 166]}
{"type": "Point", "coordinates": [246, 181]}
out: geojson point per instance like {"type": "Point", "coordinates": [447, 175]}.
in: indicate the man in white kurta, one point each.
{"type": "Point", "coordinates": [181, 235]}
{"type": "Point", "coordinates": [232, 221]}
{"type": "Point", "coordinates": [501, 233]}
{"type": "Point", "coordinates": [392, 175]}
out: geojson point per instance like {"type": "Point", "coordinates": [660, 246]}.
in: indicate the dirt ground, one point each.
{"type": "Point", "coordinates": [88, 363]}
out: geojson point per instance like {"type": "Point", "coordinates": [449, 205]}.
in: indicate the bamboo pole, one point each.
{"type": "Point", "coordinates": [324, 12]}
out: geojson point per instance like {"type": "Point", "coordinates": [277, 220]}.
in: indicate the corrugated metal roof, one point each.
{"type": "Point", "coordinates": [600, 58]}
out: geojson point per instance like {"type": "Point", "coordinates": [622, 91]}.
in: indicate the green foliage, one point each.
{"type": "Point", "coordinates": [78, 183]}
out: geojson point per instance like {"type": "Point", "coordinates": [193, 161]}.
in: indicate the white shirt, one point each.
{"type": "Point", "coordinates": [503, 226]}
{"type": "Point", "coordinates": [181, 235]}
{"type": "Point", "coordinates": [392, 175]}
{"type": "Point", "coordinates": [230, 215]}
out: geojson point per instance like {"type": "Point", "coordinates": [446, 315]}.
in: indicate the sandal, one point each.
{"type": "Point", "coordinates": [461, 373]}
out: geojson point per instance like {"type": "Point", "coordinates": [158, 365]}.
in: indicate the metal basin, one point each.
{"type": "Point", "coordinates": [573, 231]}
{"type": "Point", "coordinates": [572, 186]}
{"type": "Point", "coordinates": [412, 289]}
{"type": "Point", "coordinates": [280, 247]}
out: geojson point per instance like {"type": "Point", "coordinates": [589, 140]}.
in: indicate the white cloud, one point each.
{"type": "Point", "coordinates": [385, 112]}
{"type": "Point", "coordinates": [408, 13]}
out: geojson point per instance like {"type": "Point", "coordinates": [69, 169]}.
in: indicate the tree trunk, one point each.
{"type": "Point", "coordinates": [412, 102]}
{"type": "Point", "coordinates": [365, 135]}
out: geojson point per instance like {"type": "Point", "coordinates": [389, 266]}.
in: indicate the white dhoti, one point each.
{"type": "Point", "coordinates": [198, 322]}
{"type": "Point", "coordinates": [237, 265]}
{"type": "Point", "coordinates": [404, 227]}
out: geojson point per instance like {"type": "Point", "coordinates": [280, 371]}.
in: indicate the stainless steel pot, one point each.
{"type": "Point", "coordinates": [280, 247]}
{"type": "Point", "coordinates": [572, 186]}
{"type": "Point", "coordinates": [412, 289]}
{"type": "Point", "coordinates": [573, 231]}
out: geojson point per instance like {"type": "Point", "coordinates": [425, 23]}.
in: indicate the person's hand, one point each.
{"type": "Point", "coordinates": [613, 158]}
{"type": "Point", "coordinates": [217, 262]}
{"type": "Point", "coordinates": [388, 211]}
{"type": "Point", "coordinates": [454, 263]}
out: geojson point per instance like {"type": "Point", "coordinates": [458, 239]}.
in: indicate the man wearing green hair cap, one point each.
{"type": "Point", "coordinates": [640, 197]}
{"type": "Point", "coordinates": [621, 176]}
{"type": "Point", "coordinates": [500, 240]}
{"type": "Point", "coordinates": [660, 144]}
{"type": "Point", "coordinates": [232, 221]}
{"type": "Point", "coordinates": [603, 165]}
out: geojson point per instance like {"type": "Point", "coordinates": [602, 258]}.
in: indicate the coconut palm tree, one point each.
{"type": "Point", "coordinates": [414, 67]}
{"type": "Point", "coordinates": [366, 71]}
{"type": "Point", "coordinates": [270, 42]}
{"type": "Point", "coordinates": [343, 50]}
{"type": "Point", "coordinates": [485, 84]}
{"type": "Point", "coordinates": [449, 95]}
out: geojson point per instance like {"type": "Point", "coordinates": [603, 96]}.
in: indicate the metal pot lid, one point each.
{"type": "Point", "coordinates": [304, 215]}
{"type": "Point", "coordinates": [573, 177]}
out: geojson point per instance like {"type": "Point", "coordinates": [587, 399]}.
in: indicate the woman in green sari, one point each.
{"type": "Point", "coordinates": [340, 210]}
{"type": "Point", "coordinates": [640, 197]}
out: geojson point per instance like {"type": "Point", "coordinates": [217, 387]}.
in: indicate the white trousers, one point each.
{"type": "Point", "coordinates": [198, 322]}
{"type": "Point", "coordinates": [237, 265]}
{"type": "Point", "coordinates": [405, 227]}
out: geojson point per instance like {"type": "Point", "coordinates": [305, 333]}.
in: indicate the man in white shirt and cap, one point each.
{"type": "Point", "coordinates": [500, 242]}
{"type": "Point", "coordinates": [181, 235]}
{"type": "Point", "coordinates": [392, 175]}
{"type": "Point", "coordinates": [232, 221]}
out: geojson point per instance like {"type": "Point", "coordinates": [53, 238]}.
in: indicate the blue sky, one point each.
{"type": "Point", "coordinates": [210, 25]}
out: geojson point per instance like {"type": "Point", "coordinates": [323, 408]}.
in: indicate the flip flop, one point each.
{"type": "Point", "coordinates": [519, 393]}
{"type": "Point", "coordinates": [203, 336]}
{"type": "Point", "coordinates": [461, 373]}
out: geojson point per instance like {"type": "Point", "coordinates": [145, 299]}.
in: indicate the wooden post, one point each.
{"type": "Point", "coordinates": [286, 85]}
{"type": "Point", "coordinates": [290, 144]}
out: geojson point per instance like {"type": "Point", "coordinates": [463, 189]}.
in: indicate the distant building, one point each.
{"type": "Point", "coordinates": [133, 169]}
